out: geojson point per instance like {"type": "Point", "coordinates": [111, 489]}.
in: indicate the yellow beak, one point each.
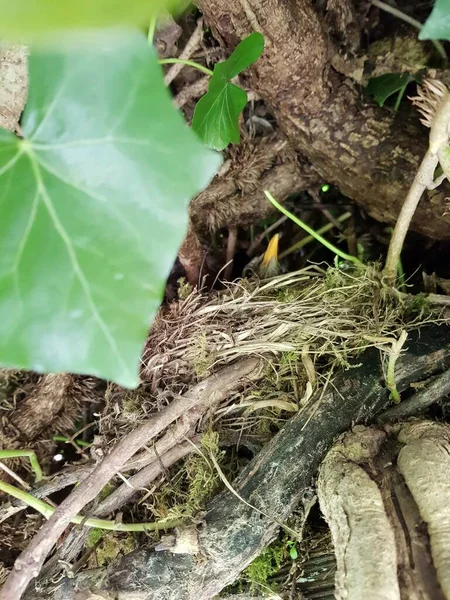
{"type": "Point", "coordinates": [271, 254]}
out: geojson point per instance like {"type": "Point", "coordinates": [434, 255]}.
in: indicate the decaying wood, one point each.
{"type": "Point", "coordinates": [424, 462]}
{"type": "Point", "coordinates": [386, 512]}
{"type": "Point", "coordinates": [369, 153]}
{"type": "Point", "coordinates": [50, 400]}
{"type": "Point", "coordinates": [353, 507]}
{"type": "Point", "coordinates": [52, 405]}
{"type": "Point", "coordinates": [14, 87]}
{"type": "Point", "coordinates": [275, 482]}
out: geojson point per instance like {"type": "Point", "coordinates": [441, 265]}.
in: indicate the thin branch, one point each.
{"type": "Point", "coordinates": [188, 51]}
{"type": "Point", "coordinates": [60, 481]}
{"type": "Point", "coordinates": [188, 63]}
{"type": "Point", "coordinates": [308, 229]}
{"type": "Point", "coordinates": [47, 510]}
{"type": "Point", "coordinates": [139, 481]}
{"type": "Point", "coordinates": [424, 174]}
{"type": "Point", "coordinates": [231, 249]}
{"type": "Point", "coordinates": [30, 562]}
{"type": "Point", "coordinates": [195, 90]}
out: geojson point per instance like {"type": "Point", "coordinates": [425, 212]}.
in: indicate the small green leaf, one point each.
{"type": "Point", "coordinates": [244, 55]}
{"type": "Point", "coordinates": [93, 207]}
{"type": "Point", "coordinates": [27, 19]}
{"type": "Point", "coordinates": [437, 26]}
{"type": "Point", "coordinates": [293, 552]}
{"type": "Point", "coordinates": [384, 86]}
{"type": "Point", "coordinates": [216, 116]}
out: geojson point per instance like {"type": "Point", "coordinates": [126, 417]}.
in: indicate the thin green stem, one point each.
{"type": "Point", "coordinates": [390, 375]}
{"type": "Point", "coordinates": [313, 233]}
{"type": "Point", "coordinates": [407, 19]}
{"type": "Point", "coordinates": [310, 238]}
{"type": "Point", "coordinates": [63, 438]}
{"type": "Point", "coordinates": [399, 98]}
{"type": "Point", "coordinates": [188, 63]}
{"type": "Point", "coordinates": [47, 511]}
{"type": "Point", "coordinates": [31, 454]}
{"type": "Point", "coordinates": [152, 29]}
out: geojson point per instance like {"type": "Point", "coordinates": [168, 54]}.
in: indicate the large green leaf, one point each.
{"type": "Point", "coordinates": [437, 26]}
{"type": "Point", "coordinates": [216, 116]}
{"type": "Point", "coordinates": [31, 18]}
{"type": "Point", "coordinates": [93, 207]}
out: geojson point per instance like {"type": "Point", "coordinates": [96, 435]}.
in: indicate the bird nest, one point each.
{"type": "Point", "coordinates": [304, 324]}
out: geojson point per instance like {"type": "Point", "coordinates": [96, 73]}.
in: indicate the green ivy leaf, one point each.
{"type": "Point", "coordinates": [437, 26]}
{"type": "Point", "coordinates": [35, 18]}
{"type": "Point", "coordinates": [384, 86]}
{"type": "Point", "coordinates": [93, 207]}
{"type": "Point", "coordinates": [216, 116]}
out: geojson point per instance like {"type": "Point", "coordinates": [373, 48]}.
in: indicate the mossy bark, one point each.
{"type": "Point", "coordinates": [371, 154]}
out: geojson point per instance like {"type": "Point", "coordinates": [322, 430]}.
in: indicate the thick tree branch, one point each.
{"type": "Point", "coordinates": [370, 153]}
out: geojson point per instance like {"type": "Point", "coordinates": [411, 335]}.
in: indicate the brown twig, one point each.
{"type": "Point", "coordinates": [30, 562]}
{"type": "Point", "coordinates": [76, 539]}
{"type": "Point", "coordinates": [188, 51]}
{"type": "Point", "coordinates": [231, 249]}
{"type": "Point", "coordinates": [195, 90]}
{"type": "Point", "coordinates": [126, 491]}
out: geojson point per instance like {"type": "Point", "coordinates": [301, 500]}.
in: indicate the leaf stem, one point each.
{"type": "Point", "coordinates": [411, 21]}
{"type": "Point", "coordinates": [308, 239]}
{"type": "Point", "coordinates": [314, 234]}
{"type": "Point", "coordinates": [152, 29]}
{"type": "Point", "coordinates": [47, 511]}
{"type": "Point", "coordinates": [31, 454]}
{"type": "Point", "coordinates": [188, 63]}
{"type": "Point", "coordinates": [390, 375]}
{"type": "Point", "coordinates": [424, 173]}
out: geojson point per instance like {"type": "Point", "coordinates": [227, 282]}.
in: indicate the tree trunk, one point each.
{"type": "Point", "coordinates": [371, 154]}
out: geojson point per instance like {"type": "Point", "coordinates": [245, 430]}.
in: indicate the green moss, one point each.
{"type": "Point", "coordinates": [193, 485]}
{"type": "Point", "coordinates": [93, 537]}
{"type": "Point", "coordinates": [131, 403]}
{"type": "Point", "coordinates": [288, 294]}
{"type": "Point", "coordinates": [107, 490]}
{"type": "Point", "coordinates": [419, 304]}
{"type": "Point", "coordinates": [184, 288]}
{"type": "Point", "coordinates": [110, 546]}
{"type": "Point", "coordinates": [202, 358]}
{"type": "Point", "coordinates": [268, 563]}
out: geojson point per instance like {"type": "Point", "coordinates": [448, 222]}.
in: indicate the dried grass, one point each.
{"type": "Point", "coordinates": [329, 315]}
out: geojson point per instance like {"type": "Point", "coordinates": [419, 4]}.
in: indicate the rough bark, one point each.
{"type": "Point", "coordinates": [14, 84]}
{"type": "Point", "coordinates": [424, 462]}
{"type": "Point", "coordinates": [369, 153]}
{"type": "Point", "coordinates": [276, 481]}
{"type": "Point", "coordinates": [388, 512]}
{"type": "Point", "coordinates": [236, 197]}
{"type": "Point", "coordinates": [353, 507]}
